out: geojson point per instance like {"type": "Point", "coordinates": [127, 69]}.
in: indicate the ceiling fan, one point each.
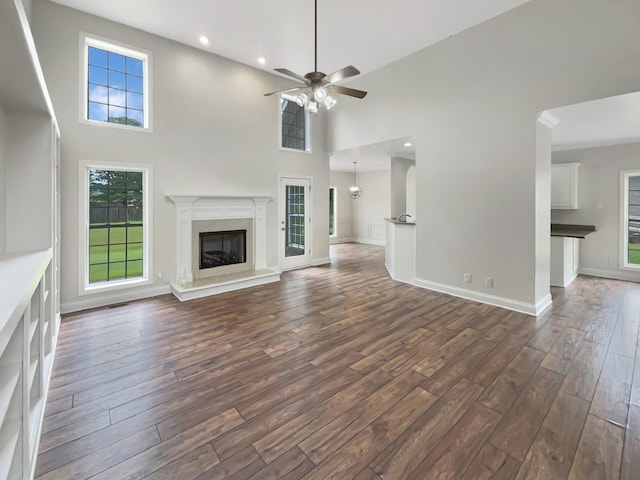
{"type": "Point", "coordinates": [318, 85]}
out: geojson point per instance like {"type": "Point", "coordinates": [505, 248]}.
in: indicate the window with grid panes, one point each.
{"type": "Point", "coordinates": [116, 85]}
{"type": "Point", "coordinates": [294, 121]}
{"type": "Point", "coordinates": [332, 211]}
{"type": "Point", "coordinates": [116, 235]}
{"type": "Point", "coordinates": [116, 224]}
{"type": "Point", "coordinates": [630, 185]}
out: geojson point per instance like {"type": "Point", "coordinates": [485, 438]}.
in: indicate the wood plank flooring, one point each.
{"type": "Point", "coordinates": [338, 372]}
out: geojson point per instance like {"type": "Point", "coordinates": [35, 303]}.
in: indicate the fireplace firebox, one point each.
{"type": "Point", "coordinates": [222, 248]}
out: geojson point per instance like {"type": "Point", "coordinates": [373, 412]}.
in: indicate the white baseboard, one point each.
{"type": "Point", "coordinates": [115, 297]}
{"type": "Point", "coordinates": [316, 262]}
{"type": "Point", "coordinates": [186, 293]}
{"type": "Point", "coordinates": [509, 304]}
{"type": "Point", "coordinates": [614, 274]}
{"type": "Point", "coordinates": [335, 240]}
{"type": "Point", "coordinates": [369, 241]}
{"type": "Point", "coordinates": [544, 303]}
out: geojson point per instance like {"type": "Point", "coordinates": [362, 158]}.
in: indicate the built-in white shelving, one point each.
{"type": "Point", "coordinates": [29, 243]}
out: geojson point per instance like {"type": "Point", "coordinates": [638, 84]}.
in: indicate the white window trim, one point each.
{"type": "Point", "coordinates": [307, 126]}
{"type": "Point", "coordinates": [84, 288]}
{"type": "Point", "coordinates": [624, 213]}
{"type": "Point", "coordinates": [335, 211]}
{"type": "Point", "coordinates": [89, 40]}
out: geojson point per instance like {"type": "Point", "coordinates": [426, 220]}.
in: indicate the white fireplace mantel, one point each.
{"type": "Point", "coordinates": [190, 208]}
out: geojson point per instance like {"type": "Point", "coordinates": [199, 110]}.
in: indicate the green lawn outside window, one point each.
{"type": "Point", "coordinates": [115, 225]}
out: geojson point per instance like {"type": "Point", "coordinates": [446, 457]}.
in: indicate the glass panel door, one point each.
{"type": "Point", "coordinates": [294, 220]}
{"type": "Point", "coordinates": [295, 240]}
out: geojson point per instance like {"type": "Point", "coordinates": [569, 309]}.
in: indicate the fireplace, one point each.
{"type": "Point", "coordinates": [218, 249]}
{"type": "Point", "coordinates": [196, 214]}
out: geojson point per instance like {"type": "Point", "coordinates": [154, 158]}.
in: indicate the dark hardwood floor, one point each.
{"type": "Point", "coordinates": [338, 372]}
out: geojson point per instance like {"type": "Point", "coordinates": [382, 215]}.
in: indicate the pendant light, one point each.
{"type": "Point", "coordinates": [355, 191]}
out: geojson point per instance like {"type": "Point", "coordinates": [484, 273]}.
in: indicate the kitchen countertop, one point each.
{"type": "Point", "coordinates": [396, 222]}
{"type": "Point", "coordinates": [575, 231]}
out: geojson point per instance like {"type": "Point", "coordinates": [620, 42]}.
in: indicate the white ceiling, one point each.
{"type": "Point", "coordinates": [366, 33]}
{"type": "Point", "coordinates": [374, 157]}
{"type": "Point", "coordinates": [607, 121]}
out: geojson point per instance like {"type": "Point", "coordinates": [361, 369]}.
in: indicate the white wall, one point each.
{"type": "Point", "coordinates": [3, 177]}
{"type": "Point", "coordinates": [213, 133]}
{"type": "Point", "coordinates": [471, 102]}
{"type": "Point", "coordinates": [399, 170]}
{"type": "Point", "coordinates": [543, 215]}
{"type": "Point", "coordinates": [342, 181]}
{"type": "Point", "coordinates": [362, 219]}
{"type": "Point", "coordinates": [411, 193]}
{"type": "Point", "coordinates": [374, 205]}
{"type": "Point", "coordinates": [599, 202]}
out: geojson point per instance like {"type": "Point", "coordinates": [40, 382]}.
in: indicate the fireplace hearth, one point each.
{"type": "Point", "coordinates": [218, 249]}
{"type": "Point", "coordinates": [197, 214]}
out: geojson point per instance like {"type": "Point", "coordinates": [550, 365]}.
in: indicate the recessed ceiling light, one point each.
{"type": "Point", "coordinates": [204, 40]}
{"type": "Point", "coordinates": [262, 60]}
{"type": "Point", "coordinates": [408, 144]}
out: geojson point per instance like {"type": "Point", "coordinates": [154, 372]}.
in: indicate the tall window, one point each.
{"type": "Point", "coordinates": [332, 211]}
{"type": "Point", "coordinates": [294, 125]}
{"type": "Point", "coordinates": [116, 84]}
{"type": "Point", "coordinates": [116, 228]}
{"type": "Point", "coordinates": [630, 188]}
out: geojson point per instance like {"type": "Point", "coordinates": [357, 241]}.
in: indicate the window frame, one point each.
{"type": "Point", "coordinates": [89, 40]}
{"type": "Point", "coordinates": [307, 126]}
{"type": "Point", "coordinates": [624, 220]}
{"type": "Point", "coordinates": [86, 288]}
{"type": "Point", "coordinates": [335, 211]}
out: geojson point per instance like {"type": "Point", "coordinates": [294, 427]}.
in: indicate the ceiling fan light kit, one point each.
{"type": "Point", "coordinates": [318, 85]}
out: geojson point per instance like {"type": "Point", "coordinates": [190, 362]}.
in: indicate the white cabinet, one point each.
{"type": "Point", "coordinates": [399, 254]}
{"type": "Point", "coordinates": [565, 260]}
{"type": "Point", "coordinates": [564, 186]}
{"type": "Point", "coordinates": [29, 243]}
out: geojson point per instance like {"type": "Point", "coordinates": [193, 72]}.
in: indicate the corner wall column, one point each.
{"type": "Point", "coordinates": [184, 209]}
{"type": "Point", "coordinates": [260, 236]}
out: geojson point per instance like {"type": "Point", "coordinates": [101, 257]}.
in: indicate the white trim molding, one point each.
{"type": "Point", "coordinates": [90, 40]}
{"type": "Point", "coordinates": [366, 241]}
{"type": "Point", "coordinates": [624, 275]}
{"type": "Point", "coordinates": [509, 304]}
{"type": "Point", "coordinates": [316, 262]}
{"type": "Point", "coordinates": [548, 119]}
{"type": "Point", "coordinates": [115, 298]}
{"type": "Point", "coordinates": [190, 208]}
{"type": "Point", "coordinates": [84, 287]}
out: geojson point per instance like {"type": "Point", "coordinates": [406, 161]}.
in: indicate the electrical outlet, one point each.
{"type": "Point", "coordinates": [488, 282]}
{"type": "Point", "coordinates": [467, 278]}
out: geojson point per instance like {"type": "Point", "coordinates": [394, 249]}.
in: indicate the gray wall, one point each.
{"type": "Point", "coordinates": [213, 133]}
{"type": "Point", "coordinates": [362, 219]}
{"type": "Point", "coordinates": [599, 205]}
{"type": "Point", "coordinates": [3, 179]}
{"type": "Point", "coordinates": [399, 169]}
{"type": "Point", "coordinates": [471, 102]}
{"type": "Point", "coordinates": [369, 211]}
{"type": "Point", "coordinates": [342, 181]}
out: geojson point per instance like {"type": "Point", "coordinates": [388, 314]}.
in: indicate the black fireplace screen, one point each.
{"type": "Point", "coordinates": [222, 248]}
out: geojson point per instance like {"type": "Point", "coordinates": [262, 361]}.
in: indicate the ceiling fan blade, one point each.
{"type": "Point", "coordinates": [289, 73]}
{"type": "Point", "coordinates": [352, 92]}
{"type": "Point", "coordinates": [283, 91]}
{"type": "Point", "coordinates": [341, 74]}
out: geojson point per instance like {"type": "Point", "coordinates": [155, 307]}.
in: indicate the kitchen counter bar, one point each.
{"type": "Point", "coordinates": [396, 222]}
{"type": "Point", "coordinates": [574, 231]}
